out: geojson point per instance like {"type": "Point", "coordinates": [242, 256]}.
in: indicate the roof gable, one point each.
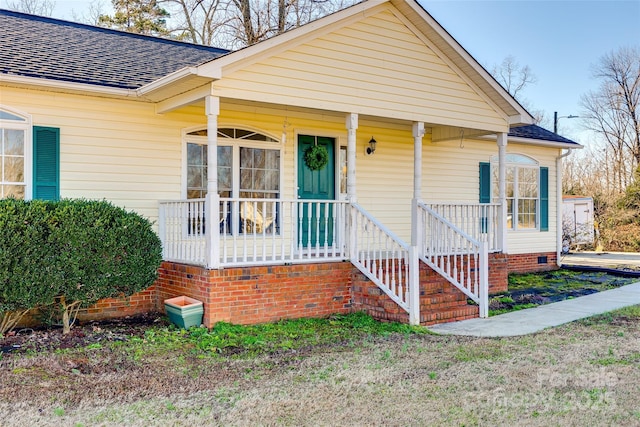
{"type": "Point", "coordinates": [34, 46]}
{"type": "Point", "coordinates": [374, 65]}
{"type": "Point", "coordinates": [413, 15]}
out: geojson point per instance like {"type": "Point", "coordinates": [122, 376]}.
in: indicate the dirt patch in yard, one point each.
{"type": "Point", "coordinates": [35, 340]}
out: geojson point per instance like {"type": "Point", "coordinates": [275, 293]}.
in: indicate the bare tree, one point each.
{"type": "Point", "coordinates": [197, 21]}
{"type": "Point", "coordinates": [233, 24]}
{"type": "Point", "coordinates": [34, 7]}
{"type": "Point", "coordinates": [613, 111]}
{"type": "Point", "coordinates": [95, 10]}
{"type": "Point", "coordinates": [513, 76]}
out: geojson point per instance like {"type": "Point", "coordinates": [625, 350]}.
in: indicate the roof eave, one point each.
{"type": "Point", "coordinates": [15, 80]}
{"type": "Point", "coordinates": [521, 120]}
{"type": "Point", "coordinates": [174, 84]}
{"type": "Point", "coordinates": [545, 143]}
{"type": "Point", "coordinates": [538, 142]}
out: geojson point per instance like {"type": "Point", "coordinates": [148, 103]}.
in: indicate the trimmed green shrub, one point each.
{"type": "Point", "coordinates": [27, 265]}
{"type": "Point", "coordinates": [87, 250]}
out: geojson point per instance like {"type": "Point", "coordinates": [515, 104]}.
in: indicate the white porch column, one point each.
{"type": "Point", "coordinates": [502, 191]}
{"type": "Point", "coordinates": [418, 133]}
{"type": "Point", "coordinates": [212, 212]}
{"type": "Point", "coordinates": [352, 126]}
{"type": "Point", "coordinates": [351, 123]}
{"type": "Point", "coordinates": [416, 227]}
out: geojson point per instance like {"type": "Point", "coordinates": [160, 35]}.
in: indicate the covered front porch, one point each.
{"type": "Point", "coordinates": [312, 233]}
{"type": "Point", "coordinates": [453, 240]}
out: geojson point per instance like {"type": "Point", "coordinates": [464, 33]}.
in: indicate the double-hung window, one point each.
{"type": "Point", "coordinates": [13, 155]}
{"type": "Point", "coordinates": [249, 165]}
{"type": "Point", "coordinates": [526, 192]}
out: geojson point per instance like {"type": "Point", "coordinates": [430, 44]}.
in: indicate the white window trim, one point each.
{"type": "Point", "coordinates": [533, 165]}
{"type": "Point", "coordinates": [27, 127]}
{"type": "Point", "coordinates": [235, 144]}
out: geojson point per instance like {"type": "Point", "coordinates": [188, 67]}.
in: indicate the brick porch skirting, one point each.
{"type": "Point", "coordinates": [251, 295]}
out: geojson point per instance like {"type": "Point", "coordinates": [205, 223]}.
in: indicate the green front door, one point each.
{"type": "Point", "coordinates": [316, 221]}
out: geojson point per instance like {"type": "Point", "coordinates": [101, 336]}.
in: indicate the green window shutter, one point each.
{"type": "Point", "coordinates": [485, 191]}
{"type": "Point", "coordinates": [46, 163]}
{"type": "Point", "coordinates": [485, 182]}
{"type": "Point", "coordinates": [544, 199]}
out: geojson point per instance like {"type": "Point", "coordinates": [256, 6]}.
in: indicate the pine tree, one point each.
{"type": "Point", "coordinates": [137, 16]}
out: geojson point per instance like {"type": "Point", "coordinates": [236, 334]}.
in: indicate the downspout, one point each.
{"type": "Point", "coordinates": [559, 205]}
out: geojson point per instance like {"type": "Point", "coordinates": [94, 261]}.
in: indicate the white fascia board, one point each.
{"type": "Point", "coordinates": [544, 143]}
{"type": "Point", "coordinates": [214, 67]}
{"type": "Point", "coordinates": [166, 80]}
{"type": "Point", "coordinates": [521, 119]}
{"type": "Point", "coordinates": [67, 86]}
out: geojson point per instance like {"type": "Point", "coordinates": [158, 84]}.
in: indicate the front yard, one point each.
{"type": "Point", "coordinates": [334, 372]}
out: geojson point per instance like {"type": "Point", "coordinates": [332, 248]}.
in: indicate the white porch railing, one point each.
{"type": "Point", "coordinates": [458, 257]}
{"type": "Point", "coordinates": [478, 220]}
{"type": "Point", "coordinates": [385, 259]}
{"type": "Point", "coordinates": [181, 225]}
{"type": "Point", "coordinates": [271, 232]}
{"type": "Point", "coordinates": [255, 231]}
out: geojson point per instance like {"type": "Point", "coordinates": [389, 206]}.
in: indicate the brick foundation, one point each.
{"type": "Point", "coordinates": [529, 263]}
{"type": "Point", "coordinates": [260, 294]}
{"type": "Point", "coordinates": [252, 295]}
{"type": "Point", "coordinates": [105, 309]}
{"type": "Point", "coordinates": [112, 308]}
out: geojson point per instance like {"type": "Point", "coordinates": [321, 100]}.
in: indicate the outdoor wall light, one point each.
{"type": "Point", "coordinates": [372, 146]}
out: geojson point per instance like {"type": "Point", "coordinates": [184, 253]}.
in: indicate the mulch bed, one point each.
{"type": "Point", "coordinates": [81, 335]}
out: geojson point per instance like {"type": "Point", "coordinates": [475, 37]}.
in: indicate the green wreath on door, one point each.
{"type": "Point", "coordinates": [316, 157]}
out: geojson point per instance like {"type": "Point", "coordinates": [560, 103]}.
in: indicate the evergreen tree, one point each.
{"type": "Point", "coordinates": [137, 16]}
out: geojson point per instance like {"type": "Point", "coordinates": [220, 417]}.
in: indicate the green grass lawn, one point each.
{"type": "Point", "coordinates": [344, 370]}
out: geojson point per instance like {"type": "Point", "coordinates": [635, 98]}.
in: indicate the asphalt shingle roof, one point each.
{"type": "Point", "coordinates": [540, 133]}
{"type": "Point", "coordinates": [34, 46]}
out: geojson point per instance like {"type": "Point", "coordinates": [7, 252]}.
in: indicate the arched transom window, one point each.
{"type": "Point", "coordinates": [249, 164]}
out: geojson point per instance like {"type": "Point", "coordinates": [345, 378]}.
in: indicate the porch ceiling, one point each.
{"type": "Point", "coordinates": [314, 113]}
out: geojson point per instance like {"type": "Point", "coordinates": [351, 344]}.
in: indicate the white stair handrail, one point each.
{"type": "Point", "coordinates": [384, 258]}
{"type": "Point", "coordinates": [455, 255]}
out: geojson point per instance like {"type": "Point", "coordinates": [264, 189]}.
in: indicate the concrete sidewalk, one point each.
{"type": "Point", "coordinates": [545, 316]}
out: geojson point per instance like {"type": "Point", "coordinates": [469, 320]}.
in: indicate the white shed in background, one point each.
{"type": "Point", "coordinates": [577, 220]}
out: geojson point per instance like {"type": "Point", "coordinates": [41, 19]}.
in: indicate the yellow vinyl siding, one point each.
{"type": "Point", "coordinates": [123, 151]}
{"type": "Point", "coordinates": [117, 150]}
{"type": "Point", "coordinates": [450, 174]}
{"type": "Point", "coordinates": [397, 76]}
